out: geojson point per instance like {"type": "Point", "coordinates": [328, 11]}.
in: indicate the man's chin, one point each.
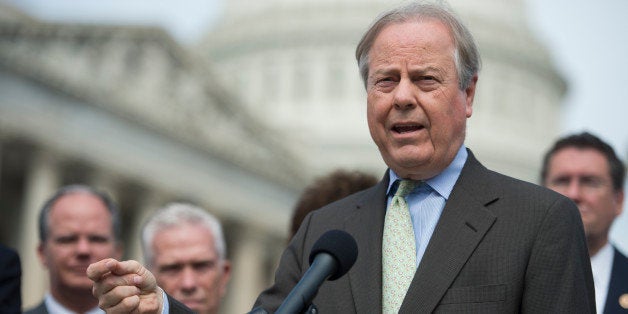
{"type": "Point", "coordinates": [79, 284]}
{"type": "Point", "coordinates": [85, 285]}
{"type": "Point", "coordinates": [80, 280]}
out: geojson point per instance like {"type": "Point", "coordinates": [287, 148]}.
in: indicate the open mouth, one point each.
{"type": "Point", "coordinates": [406, 128]}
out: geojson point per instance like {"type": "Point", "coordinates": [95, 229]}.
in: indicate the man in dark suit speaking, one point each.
{"type": "Point", "coordinates": [439, 232]}
{"type": "Point", "coordinates": [479, 242]}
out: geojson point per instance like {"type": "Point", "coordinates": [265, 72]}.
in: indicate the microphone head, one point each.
{"type": "Point", "coordinates": [341, 246]}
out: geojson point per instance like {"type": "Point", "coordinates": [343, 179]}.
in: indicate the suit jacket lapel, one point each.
{"type": "Point", "coordinates": [366, 224]}
{"type": "Point", "coordinates": [460, 229]}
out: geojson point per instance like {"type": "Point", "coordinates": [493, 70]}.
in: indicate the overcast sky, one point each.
{"type": "Point", "coordinates": [586, 38]}
{"type": "Point", "coordinates": [589, 45]}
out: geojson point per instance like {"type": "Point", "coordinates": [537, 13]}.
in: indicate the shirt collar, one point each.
{"type": "Point", "coordinates": [444, 182]}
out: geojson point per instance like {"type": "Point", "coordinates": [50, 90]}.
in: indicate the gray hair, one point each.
{"type": "Point", "coordinates": [44, 213]}
{"type": "Point", "coordinates": [177, 214]}
{"type": "Point", "coordinates": [466, 54]}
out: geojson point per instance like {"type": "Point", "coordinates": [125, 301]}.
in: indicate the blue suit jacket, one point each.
{"type": "Point", "coordinates": [618, 285]}
{"type": "Point", "coordinates": [10, 281]}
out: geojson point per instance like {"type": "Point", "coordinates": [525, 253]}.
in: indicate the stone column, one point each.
{"type": "Point", "coordinates": [105, 182]}
{"type": "Point", "coordinates": [41, 182]}
{"type": "Point", "coordinates": [248, 277]}
{"type": "Point", "coordinates": [147, 206]}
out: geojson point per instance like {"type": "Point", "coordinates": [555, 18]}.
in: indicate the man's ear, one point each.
{"type": "Point", "coordinates": [619, 202]}
{"type": "Point", "coordinates": [41, 254]}
{"type": "Point", "coordinates": [470, 94]}
{"type": "Point", "coordinates": [226, 275]}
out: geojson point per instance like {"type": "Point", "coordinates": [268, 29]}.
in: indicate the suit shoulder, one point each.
{"type": "Point", "coordinates": [345, 204]}
{"type": "Point", "coordinates": [505, 195]}
{"type": "Point", "coordinates": [475, 179]}
{"type": "Point", "coordinates": [510, 185]}
{"type": "Point", "coordinates": [8, 254]}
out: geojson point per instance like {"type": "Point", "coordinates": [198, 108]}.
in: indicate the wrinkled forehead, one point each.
{"type": "Point", "coordinates": [413, 29]}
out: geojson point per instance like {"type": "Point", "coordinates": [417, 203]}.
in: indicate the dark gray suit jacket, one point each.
{"type": "Point", "coordinates": [500, 246]}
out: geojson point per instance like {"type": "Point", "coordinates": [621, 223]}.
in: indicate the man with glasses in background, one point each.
{"type": "Point", "coordinates": [586, 169]}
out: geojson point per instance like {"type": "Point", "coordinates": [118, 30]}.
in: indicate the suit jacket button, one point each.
{"type": "Point", "coordinates": [623, 301]}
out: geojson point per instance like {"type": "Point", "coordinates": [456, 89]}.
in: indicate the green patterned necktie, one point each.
{"type": "Point", "coordinates": [398, 249]}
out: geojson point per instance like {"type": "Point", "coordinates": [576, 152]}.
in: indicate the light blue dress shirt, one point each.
{"type": "Point", "coordinates": [166, 308]}
{"type": "Point", "coordinates": [426, 202]}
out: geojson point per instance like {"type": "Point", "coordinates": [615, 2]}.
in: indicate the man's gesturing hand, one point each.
{"type": "Point", "coordinates": [125, 287]}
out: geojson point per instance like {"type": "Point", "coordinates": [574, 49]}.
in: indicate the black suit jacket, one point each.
{"type": "Point", "coordinates": [500, 246]}
{"type": "Point", "coordinates": [10, 281]}
{"type": "Point", "coordinates": [176, 307]}
{"type": "Point", "coordinates": [618, 285]}
{"type": "Point", "coordinates": [39, 309]}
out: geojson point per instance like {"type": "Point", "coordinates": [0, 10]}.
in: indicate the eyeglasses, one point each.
{"type": "Point", "coordinates": [586, 183]}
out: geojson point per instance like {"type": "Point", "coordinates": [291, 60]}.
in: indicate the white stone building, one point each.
{"type": "Point", "coordinates": [293, 64]}
{"type": "Point", "coordinates": [127, 110]}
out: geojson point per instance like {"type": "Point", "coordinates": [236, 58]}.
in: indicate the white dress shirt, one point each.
{"type": "Point", "coordinates": [54, 307]}
{"type": "Point", "coordinates": [602, 265]}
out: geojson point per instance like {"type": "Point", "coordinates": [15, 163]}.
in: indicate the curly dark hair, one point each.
{"type": "Point", "coordinates": [327, 189]}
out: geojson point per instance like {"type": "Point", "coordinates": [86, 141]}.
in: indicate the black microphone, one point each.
{"type": "Point", "coordinates": [331, 257]}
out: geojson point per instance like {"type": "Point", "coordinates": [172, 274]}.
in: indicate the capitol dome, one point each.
{"type": "Point", "coordinates": [292, 63]}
